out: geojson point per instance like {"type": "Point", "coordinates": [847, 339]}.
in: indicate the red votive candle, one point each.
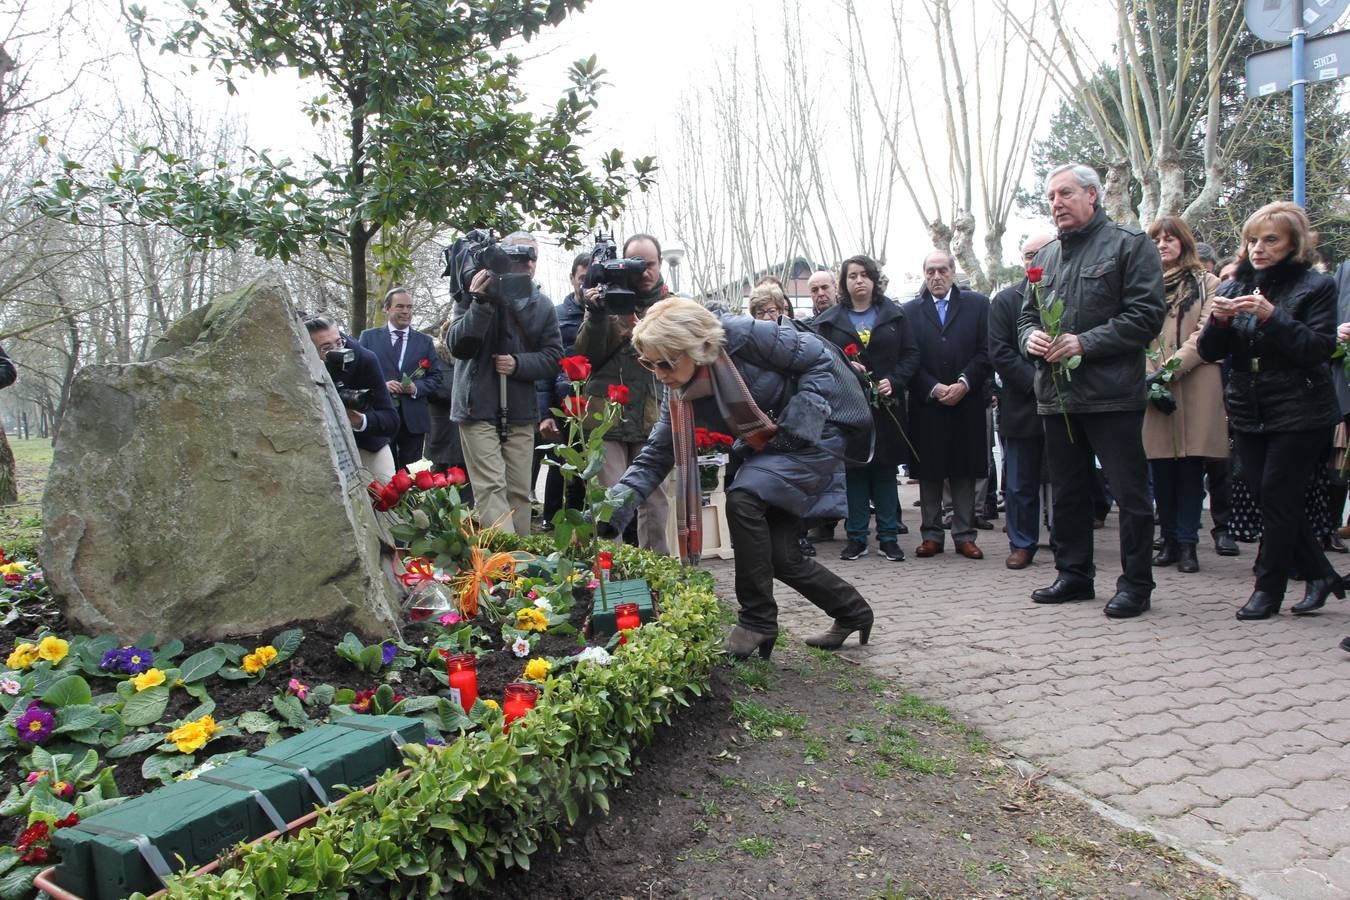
{"type": "Point", "coordinates": [463, 671]}
{"type": "Point", "coordinates": [518, 699]}
{"type": "Point", "coordinates": [604, 564]}
{"type": "Point", "coordinates": [626, 617]}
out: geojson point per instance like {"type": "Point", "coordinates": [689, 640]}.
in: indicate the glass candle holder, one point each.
{"type": "Point", "coordinates": [626, 617]}
{"type": "Point", "coordinates": [517, 699]}
{"type": "Point", "coordinates": [462, 669]}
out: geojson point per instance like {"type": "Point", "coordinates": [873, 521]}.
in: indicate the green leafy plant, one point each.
{"type": "Point", "coordinates": [59, 784]}
{"type": "Point", "coordinates": [374, 657]}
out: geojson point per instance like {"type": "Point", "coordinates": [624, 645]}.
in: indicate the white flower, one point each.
{"type": "Point", "coordinates": [9, 686]}
{"type": "Point", "coordinates": [542, 603]}
{"type": "Point", "coordinates": [520, 647]}
{"type": "Point", "coordinates": [598, 655]}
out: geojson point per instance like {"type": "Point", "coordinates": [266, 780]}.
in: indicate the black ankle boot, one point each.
{"type": "Point", "coordinates": [1167, 556]}
{"type": "Point", "coordinates": [1316, 596]}
{"type": "Point", "coordinates": [1186, 561]}
{"type": "Point", "coordinates": [1260, 606]}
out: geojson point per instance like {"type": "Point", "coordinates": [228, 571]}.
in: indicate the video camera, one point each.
{"type": "Point", "coordinates": [616, 278]}
{"type": "Point", "coordinates": [479, 250]}
{"type": "Point", "coordinates": [338, 362]}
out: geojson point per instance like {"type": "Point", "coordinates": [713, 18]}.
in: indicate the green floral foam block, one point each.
{"type": "Point", "coordinates": [634, 590]}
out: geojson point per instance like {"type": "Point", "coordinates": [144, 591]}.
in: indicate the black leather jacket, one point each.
{"type": "Point", "coordinates": [1280, 379]}
{"type": "Point", "coordinates": [1110, 277]}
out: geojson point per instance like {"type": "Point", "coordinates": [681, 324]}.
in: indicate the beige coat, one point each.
{"type": "Point", "coordinates": [1199, 426]}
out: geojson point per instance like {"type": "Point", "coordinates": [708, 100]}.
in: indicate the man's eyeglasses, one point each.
{"type": "Point", "coordinates": [657, 365]}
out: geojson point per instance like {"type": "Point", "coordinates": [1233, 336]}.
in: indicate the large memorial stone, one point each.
{"type": "Point", "coordinates": [214, 489]}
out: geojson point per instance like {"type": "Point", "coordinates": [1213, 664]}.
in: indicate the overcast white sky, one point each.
{"type": "Point", "coordinates": [656, 53]}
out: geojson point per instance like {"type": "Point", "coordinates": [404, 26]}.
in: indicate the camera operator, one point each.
{"type": "Point", "coordinates": [371, 411]}
{"type": "Point", "coordinates": [604, 339]}
{"type": "Point", "coordinates": [491, 336]}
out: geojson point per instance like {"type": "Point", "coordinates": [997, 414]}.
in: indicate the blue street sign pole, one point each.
{"type": "Point", "coordinates": [1300, 85]}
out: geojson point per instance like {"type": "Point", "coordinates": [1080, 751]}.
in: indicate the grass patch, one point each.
{"type": "Point", "coordinates": [843, 686]}
{"type": "Point", "coordinates": [754, 674]}
{"type": "Point", "coordinates": [757, 846]}
{"type": "Point", "coordinates": [815, 748]}
{"type": "Point", "coordinates": [911, 707]}
{"type": "Point", "coordinates": [764, 723]}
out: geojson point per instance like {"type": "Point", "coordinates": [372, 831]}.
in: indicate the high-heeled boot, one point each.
{"type": "Point", "coordinates": [741, 642]}
{"type": "Point", "coordinates": [834, 638]}
{"type": "Point", "coordinates": [1260, 605]}
{"type": "Point", "coordinates": [1186, 559]}
{"type": "Point", "coordinates": [1316, 596]}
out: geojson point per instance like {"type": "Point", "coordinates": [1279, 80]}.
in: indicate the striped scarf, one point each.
{"type": "Point", "coordinates": [721, 380]}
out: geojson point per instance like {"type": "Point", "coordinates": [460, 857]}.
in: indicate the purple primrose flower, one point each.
{"type": "Point", "coordinates": [389, 651]}
{"type": "Point", "coordinates": [36, 724]}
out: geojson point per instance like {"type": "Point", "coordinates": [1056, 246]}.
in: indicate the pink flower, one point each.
{"type": "Point", "coordinates": [449, 618]}
{"type": "Point", "coordinates": [301, 691]}
{"type": "Point", "coordinates": [34, 775]}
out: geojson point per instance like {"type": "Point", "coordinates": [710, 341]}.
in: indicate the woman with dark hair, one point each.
{"type": "Point", "coordinates": [885, 349]}
{"type": "Point", "coordinates": [794, 408]}
{"type": "Point", "coordinates": [1184, 423]}
{"type": "Point", "coordinates": [1276, 320]}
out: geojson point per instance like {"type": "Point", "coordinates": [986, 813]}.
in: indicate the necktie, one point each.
{"type": "Point", "coordinates": [942, 311]}
{"type": "Point", "coordinates": [398, 348]}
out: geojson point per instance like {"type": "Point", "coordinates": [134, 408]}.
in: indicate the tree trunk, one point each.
{"type": "Point", "coordinates": [1117, 193]}
{"type": "Point", "coordinates": [357, 240]}
{"type": "Point", "coordinates": [9, 482]}
{"type": "Point", "coordinates": [963, 248]}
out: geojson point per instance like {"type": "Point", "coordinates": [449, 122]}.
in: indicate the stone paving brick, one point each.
{"type": "Point", "coordinates": [1164, 801]}
{"type": "Point", "coordinates": [1247, 723]}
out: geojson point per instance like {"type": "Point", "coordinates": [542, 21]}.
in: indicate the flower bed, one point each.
{"type": "Point", "coordinates": [485, 803]}
{"type": "Point", "coordinates": [596, 707]}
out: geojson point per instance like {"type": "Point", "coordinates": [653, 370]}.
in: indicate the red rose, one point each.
{"type": "Point", "coordinates": [375, 489]}
{"type": "Point", "coordinates": [424, 480]}
{"type": "Point", "coordinates": [424, 364]}
{"type": "Point", "coordinates": [576, 368]}
{"type": "Point", "coordinates": [439, 480]}
{"type": "Point", "coordinates": [388, 499]}
{"type": "Point", "coordinates": [618, 393]}
{"type": "Point", "coordinates": [456, 476]}
{"type": "Point", "coordinates": [36, 855]}
{"type": "Point", "coordinates": [1034, 274]}
{"type": "Point", "coordinates": [851, 350]}
{"type": "Point", "coordinates": [574, 406]}
{"type": "Point", "coordinates": [401, 481]}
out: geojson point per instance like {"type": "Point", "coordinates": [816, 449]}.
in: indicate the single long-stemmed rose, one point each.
{"type": "Point", "coordinates": [1052, 323]}
{"type": "Point", "coordinates": [878, 400]}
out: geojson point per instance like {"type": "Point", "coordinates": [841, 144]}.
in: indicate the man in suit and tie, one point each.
{"type": "Point", "coordinates": [947, 402]}
{"type": "Point", "coordinates": [411, 369]}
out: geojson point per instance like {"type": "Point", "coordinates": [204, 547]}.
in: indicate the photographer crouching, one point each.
{"type": "Point", "coordinates": [618, 292]}
{"type": "Point", "coordinates": [356, 374]}
{"type": "Point", "coordinates": [504, 337]}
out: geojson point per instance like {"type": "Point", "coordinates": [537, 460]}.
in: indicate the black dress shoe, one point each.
{"type": "Point", "coordinates": [1167, 556]}
{"type": "Point", "coordinates": [983, 524]}
{"type": "Point", "coordinates": [1224, 545]}
{"type": "Point", "coordinates": [1345, 644]}
{"type": "Point", "coordinates": [1260, 606]}
{"type": "Point", "coordinates": [1316, 596]}
{"type": "Point", "coordinates": [806, 547]}
{"type": "Point", "coordinates": [1186, 561]}
{"type": "Point", "coordinates": [1127, 605]}
{"type": "Point", "coordinates": [1064, 590]}
{"type": "Point", "coordinates": [902, 528]}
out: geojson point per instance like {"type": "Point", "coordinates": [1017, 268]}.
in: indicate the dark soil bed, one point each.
{"type": "Point", "coordinates": [806, 777]}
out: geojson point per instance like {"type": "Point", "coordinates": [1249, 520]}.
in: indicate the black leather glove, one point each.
{"type": "Point", "coordinates": [1163, 404]}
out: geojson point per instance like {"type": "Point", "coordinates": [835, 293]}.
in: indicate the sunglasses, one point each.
{"type": "Point", "coordinates": [657, 365]}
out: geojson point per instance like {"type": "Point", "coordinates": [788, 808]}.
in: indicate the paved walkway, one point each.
{"type": "Point", "coordinates": [1228, 737]}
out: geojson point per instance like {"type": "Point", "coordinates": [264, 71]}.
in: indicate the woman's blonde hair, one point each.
{"type": "Point", "coordinates": [766, 294]}
{"type": "Point", "coordinates": [677, 326]}
{"type": "Point", "coordinates": [1292, 220]}
{"type": "Point", "coordinates": [1175, 226]}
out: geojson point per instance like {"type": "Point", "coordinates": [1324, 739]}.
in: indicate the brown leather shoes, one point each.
{"type": "Point", "coordinates": [929, 548]}
{"type": "Point", "coordinates": [1018, 559]}
{"type": "Point", "coordinates": [969, 550]}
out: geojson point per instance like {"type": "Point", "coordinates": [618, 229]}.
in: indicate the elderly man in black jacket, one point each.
{"type": "Point", "coordinates": [947, 402]}
{"type": "Point", "coordinates": [1099, 303]}
{"type": "Point", "coordinates": [1019, 425]}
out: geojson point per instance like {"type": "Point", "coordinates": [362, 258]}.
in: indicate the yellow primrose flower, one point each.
{"type": "Point", "coordinates": [537, 669]}
{"type": "Point", "coordinates": [53, 649]}
{"type": "Point", "coordinates": [193, 736]}
{"type": "Point", "coordinates": [23, 656]}
{"type": "Point", "coordinates": [492, 704]}
{"type": "Point", "coordinates": [148, 679]}
{"type": "Point", "coordinates": [531, 619]}
{"type": "Point", "coordinates": [259, 659]}
{"type": "Point", "coordinates": [14, 568]}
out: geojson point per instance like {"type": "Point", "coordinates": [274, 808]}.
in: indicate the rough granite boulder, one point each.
{"type": "Point", "coordinates": [214, 489]}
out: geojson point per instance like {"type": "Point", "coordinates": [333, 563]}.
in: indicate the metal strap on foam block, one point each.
{"type": "Point", "coordinates": [361, 726]}
{"type": "Point", "coordinates": [149, 852]}
{"type": "Point", "coordinates": [302, 771]}
{"type": "Point", "coordinates": [266, 805]}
